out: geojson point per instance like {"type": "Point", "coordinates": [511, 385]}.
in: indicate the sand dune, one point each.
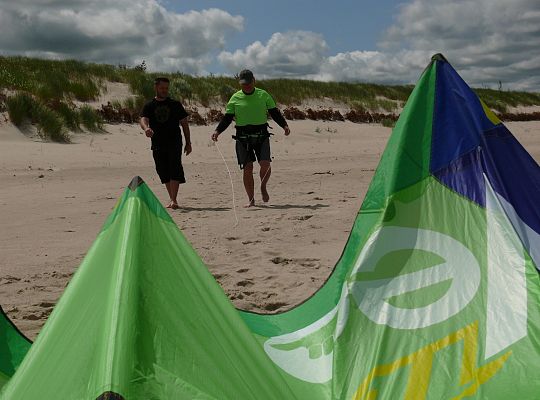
{"type": "Point", "coordinates": [55, 198]}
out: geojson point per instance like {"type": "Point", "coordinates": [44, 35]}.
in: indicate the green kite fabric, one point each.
{"type": "Point", "coordinates": [436, 294]}
{"type": "Point", "coordinates": [143, 318]}
{"type": "Point", "coordinates": [13, 347]}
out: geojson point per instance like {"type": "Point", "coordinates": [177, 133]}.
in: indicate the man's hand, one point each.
{"type": "Point", "coordinates": [287, 131]}
{"type": "Point", "coordinates": [187, 149]}
{"type": "Point", "coordinates": [215, 136]}
{"type": "Point", "coordinates": [149, 132]}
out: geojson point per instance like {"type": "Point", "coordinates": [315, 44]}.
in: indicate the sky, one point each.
{"type": "Point", "coordinates": [383, 41]}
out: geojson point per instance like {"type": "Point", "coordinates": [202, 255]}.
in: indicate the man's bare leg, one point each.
{"type": "Point", "coordinates": [172, 189]}
{"type": "Point", "coordinates": [168, 186]}
{"type": "Point", "coordinates": [249, 184]}
{"type": "Point", "coordinates": [265, 173]}
{"type": "Point", "coordinates": [174, 193]}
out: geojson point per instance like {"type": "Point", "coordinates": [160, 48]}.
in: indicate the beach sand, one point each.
{"type": "Point", "coordinates": [54, 198]}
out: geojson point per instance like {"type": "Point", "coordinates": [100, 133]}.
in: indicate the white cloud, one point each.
{"type": "Point", "coordinates": [486, 40]}
{"type": "Point", "coordinates": [286, 54]}
{"type": "Point", "coordinates": [301, 54]}
{"type": "Point", "coordinates": [375, 66]}
{"type": "Point", "coordinates": [119, 31]}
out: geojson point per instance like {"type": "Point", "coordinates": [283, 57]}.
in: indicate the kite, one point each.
{"type": "Point", "coordinates": [435, 296]}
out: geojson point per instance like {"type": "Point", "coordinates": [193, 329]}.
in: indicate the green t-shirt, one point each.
{"type": "Point", "coordinates": [250, 109]}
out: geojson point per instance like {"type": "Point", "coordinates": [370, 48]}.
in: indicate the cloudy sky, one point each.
{"type": "Point", "coordinates": [384, 41]}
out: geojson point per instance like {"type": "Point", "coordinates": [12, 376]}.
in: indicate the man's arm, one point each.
{"type": "Point", "coordinates": [223, 124]}
{"type": "Point", "coordinates": [145, 125]}
{"type": "Point", "coordinates": [187, 135]}
{"type": "Point", "coordinates": [280, 120]}
{"type": "Point", "coordinates": [276, 114]}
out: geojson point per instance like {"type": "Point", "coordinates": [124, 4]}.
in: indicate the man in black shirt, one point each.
{"type": "Point", "coordinates": [161, 119]}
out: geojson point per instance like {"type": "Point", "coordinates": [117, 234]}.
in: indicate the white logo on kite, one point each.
{"type": "Point", "coordinates": [293, 351]}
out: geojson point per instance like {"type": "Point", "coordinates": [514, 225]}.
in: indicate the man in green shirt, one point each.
{"type": "Point", "coordinates": [250, 107]}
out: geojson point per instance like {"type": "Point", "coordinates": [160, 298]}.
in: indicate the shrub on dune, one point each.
{"type": "Point", "coordinates": [50, 123]}
{"type": "Point", "coordinates": [85, 90]}
{"type": "Point", "coordinates": [388, 122]}
{"type": "Point", "coordinates": [90, 119]}
{"type": "Point", "coordinates": [129, 103]}
{"type": "Point", "coordinates": [19, 108]}
{"type": "Point", "coordinates": [71, 116]}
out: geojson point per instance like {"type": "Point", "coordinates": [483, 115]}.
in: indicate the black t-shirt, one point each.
{"type": "Point", "coordinates": [165, 116]}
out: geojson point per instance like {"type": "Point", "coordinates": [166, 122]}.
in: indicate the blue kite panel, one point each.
{"type": "Point", "coordinates": [458, 118]}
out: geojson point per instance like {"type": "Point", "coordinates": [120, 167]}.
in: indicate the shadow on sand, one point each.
{"type": "Point", "coordinates": [294, 206]}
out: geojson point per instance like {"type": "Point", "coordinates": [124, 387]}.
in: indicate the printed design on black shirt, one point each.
{"type": "Point", "coordinates": [162, 113]}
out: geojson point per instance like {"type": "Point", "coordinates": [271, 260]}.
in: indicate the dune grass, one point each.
{"type": "Point", "coordinates": [90, 119]}
{"type": "Point", "coordinates": [50, 124]}
{"type": "Point", "coordinates": [19, 108]}
{"type": "Point", "coordinates": [46, 91]}
{"type": "Point", "coordinates": [22, 107]}
{"type": "Point", "coordinates": [70, 115]}
{"type": "Point", "coordinates": [209, 90]}
{"type": "Point", "coordinates": [388, 123]}
{"type": "Point", "coordinates": [50, 79]}
{"type": "Point", "coordinates": [500, 100]}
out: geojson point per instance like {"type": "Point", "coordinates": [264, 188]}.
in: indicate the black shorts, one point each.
{"type": "Point", "coordinates": [247, 152]}
{"type": "Point", "coordinates": [169, 164]}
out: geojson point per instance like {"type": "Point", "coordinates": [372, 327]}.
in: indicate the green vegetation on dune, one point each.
{"type": "Point", "coordinates": [289, 91]}
{"type": "Point", "coordinates": [51, 124]}
{"type": "Point", "coordinates": [48, 79]}
{"type": "Point", "coordinates": [89, 119]}
{"type": "Point", "coordinates": [500, 100]}
{"type": "Point", "coordinates": [206, 89]}
{"type": "Point", "coordinates": [45, 92]}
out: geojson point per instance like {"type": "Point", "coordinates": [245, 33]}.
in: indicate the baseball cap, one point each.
{"type": "Point", "coordinates": [246, 76]}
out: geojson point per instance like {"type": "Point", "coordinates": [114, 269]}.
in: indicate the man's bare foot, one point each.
{"type": "Point", "coordinates": [250, 204]}
{"type": "Point", "coordinates": [265, 195]}
{"type": "Point", "coordinates": [173, 205]}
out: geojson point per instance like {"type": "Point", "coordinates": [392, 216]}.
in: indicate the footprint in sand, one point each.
{"type": "Point", "coordinates": [56, 274]}
{"type": "Point", "coordinates": [242, 270]}
{"type": "Point", "coordinates": [309, 262]}
{"type": "Point", "coordinates": [245, 283]}
{"type": "Point", "coordinates": [295, 284]}
{"type": "Point", "coordinates": [45, 304]}
{"type": "Point", "coordinates": [6, 280]}
{"type": "Point", "coordinates": [251, 241]}
{"type": "Point", "coordinates": [301, 217]}
{"type": "Point", "coordinates": [274, 306]}
{"type": "Point", "coordinates": [32, 317]}
{"type": "Point", "coordinates": [281, 260]}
